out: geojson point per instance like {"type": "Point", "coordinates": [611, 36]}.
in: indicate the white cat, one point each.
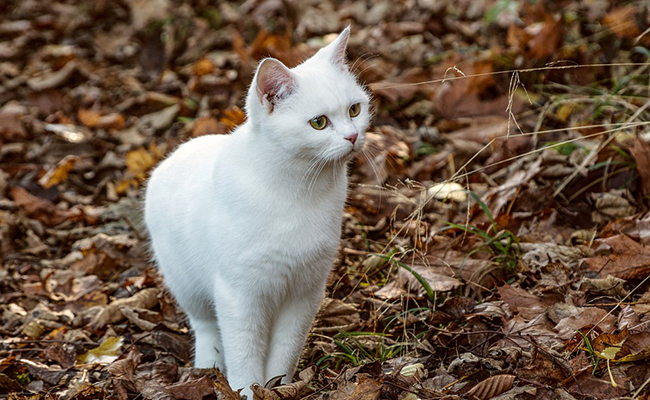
{"type": "Point", "coordinates": [245, 227]}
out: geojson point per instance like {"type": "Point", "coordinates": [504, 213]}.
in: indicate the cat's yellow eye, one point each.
{"type": "Point", "coordinates": [318, 123]}
{"type": "Point", "coordinates": [355, 109]}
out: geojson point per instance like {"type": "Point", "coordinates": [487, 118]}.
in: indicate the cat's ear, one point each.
{"type": "Point", "coordinates": [273, 82]}
{"type": "Point", "coordinates": [338, 48]}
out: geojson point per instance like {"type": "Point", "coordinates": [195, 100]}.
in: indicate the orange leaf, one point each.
{"type": "Point", "coordinates": [41, 209]}
{"type": "Point", "coordinates": [140, 161]}
{"type": "Point", "coordinates": [203, 67]}
{"type": "Point", "coordinates": [233, 117]}
{"type": "Point", "coordinates": [60, 172]}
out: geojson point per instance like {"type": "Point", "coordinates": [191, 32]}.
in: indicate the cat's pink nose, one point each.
{"type": "Point", "coordinates": [352, 138]}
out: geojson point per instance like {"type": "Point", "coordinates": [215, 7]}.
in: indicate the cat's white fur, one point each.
{"type": "Point", "coordinates": [245, 227]}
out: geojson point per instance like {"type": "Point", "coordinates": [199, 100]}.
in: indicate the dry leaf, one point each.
{"type": "Point", "coordinates": [140, 161]}
{"type": "Point", "coordinates": [59, 173]}
{"type": "Point", "coordinates": [284, 392]}
{"type": "Point", "coordinates": [492, 386]}
{"type": "Point", "coordinates": [629, 259]}
{"type": "Point", "coordinates": [223, 387]}
{"type": "Point", "coordinates": [202, 67]}
{"type": "Point", "coordinates": [622, 21]}
{"type": "Point", "coordinates": [105, 353]}
{"type": "Point", "coordinates": [233, 117]}
{"type": "Point", "coordinates": [41, 209]}
{"type": "Point", "coordinates": [610, 206]}
{"type": "Point", "coordinates": [194, 389]}
{"type": "Point", "coordinates": [205, 126]}
{"type": "Point", "coordinates": [146, 298]}
{"type": "Point", "coordinates": [335, 315]}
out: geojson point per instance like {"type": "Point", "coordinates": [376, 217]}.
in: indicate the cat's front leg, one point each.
{"type": "Point", "coordinates": [244, 335]}
{"type": "Point", "coordinates": [208, 348]}
{"type": "Point", "coordinates": [290, 331]}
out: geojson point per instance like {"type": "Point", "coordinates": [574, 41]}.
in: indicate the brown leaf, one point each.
{"type": "Point", "coordinates": [51, 79]}
{"type": "Point", "coordinates": [284, 392]}
{"type": "Point", "coordinates": [520, 300]}
{"type": "Point", "coordinates": [41, 209]}
{"type": "Point", "coordinates": [610, 206]}
{"type": "Point", "coordinates": [492, 386]}
{"type": "Point", "coordinates": [628, 260]}
{"type": "Point", "coordinates": [194, 389]}
{"type": "Point", "coordinates": [146, 298]}
{"type": "Point", "coordinates": [622, 21]}
{"type": "Point", "coordinates": [63, 353]}
{"type": "Point", "coordinates": [140, 161]}
{"type": "Point", "coordinates": [606, 340]}
{"type": "Point", "coordinates": [368, 389]}
{"type": "Point", "coordinates": [95, 119]}
{"type": "Point", "coordinates": [641, 152]}
{"type": "Point", "coordinates": [202, 67]}
{"type": "Point", "coordinates": [59, 173]}
{"type": "Point", "coordinates": [546, 39]}
{"type": "Point", "coordinates": [11, 127]}
{"type": "Point", "coordinates": [635, 348]}
{"type": "Point", "coordinates": [205, 126]}
{"type": "Point", "coordinates": [233, 117]}
{"type": "Point", "coordinates": [567, 327]}
{"type": "Point", "coordinates": [153, 390]}
{"type": "Point", "coordinates": [335, 315]}
{"type": "Point", "coordinates": [222, 386]}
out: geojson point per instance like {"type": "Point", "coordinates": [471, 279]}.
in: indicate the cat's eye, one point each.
{"type": "Point", "coordinates": [318, 123]}
{"type": "Point", "coordinates": [355, 109]}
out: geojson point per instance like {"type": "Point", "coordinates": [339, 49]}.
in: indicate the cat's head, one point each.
{"type": "Point", "coordinates": [315, 111]}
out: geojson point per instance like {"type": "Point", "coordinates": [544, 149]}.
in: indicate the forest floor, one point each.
{"type": "Point", "coordinates": [497, 236]}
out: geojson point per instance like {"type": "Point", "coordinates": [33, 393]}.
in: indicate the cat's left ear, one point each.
{"type": "Point", "coordinates": [338, 48]}
{"type": "Point", "coordinates": [273, 82]}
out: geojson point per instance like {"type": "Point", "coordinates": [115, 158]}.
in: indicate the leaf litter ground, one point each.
{"type": "Point", "coordinates": [496, 234]}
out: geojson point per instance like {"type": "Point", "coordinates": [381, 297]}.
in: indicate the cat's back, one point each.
{"type": "Point", "coordinates": [177, 182]}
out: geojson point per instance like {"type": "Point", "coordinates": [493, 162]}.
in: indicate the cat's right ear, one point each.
{"type": "Point", "coordinates": [273, 83]}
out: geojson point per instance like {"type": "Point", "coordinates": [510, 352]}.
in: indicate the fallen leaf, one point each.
{"type": "Point", "coordinates": [140, 161]}
{"type": "Point", "coordinates": [334, 315]}
{"type": "Point", "coordinates": [204, 66]}
{"type": "Point", "coordinates": [222, 386]}
{"type": "Point", "coordinates": [628, 259]}
{"type": "Point", "coordinates": [610, 206]}
{"type": "Point", "coordinates": [282, 392]}
{"type": "Point", "coordinates": [107, 352]}
{"type": "Point", "coordinates": [59, 173]}
{"type": "Point", "coordinates": [621, 21]}
{"type": "Point", "coordinates": [523, 302]}
{"type": "Point", "coordinates": [205, 126]}
{"type": "Point", "coordinates": [63, 353]}
{"type": "Point", "coordinates": [567, 327]}
{"type": "Point", "coordinates": [635, 348]}
{"type": "Point", "coordinates": [11, 126]}
{"type": "Point", "coordinates": [641, 152]}
{"type": "Point", "coordinates": [233, 117]}
{"type": "Point", "coordinates": [194, 389]}
{"type": "Point", "coordinates": [95, 119]}
{"type": "Point", "coordinates": [51, 79]}
{"type": "Point", "coordinates": [41, 209]}
{"type": "Point", "coordinates": [449, 190]}
{"type": "Point", "coordinates": [492, 386]}
{"type": "Point", "coordinates": [146, 298]}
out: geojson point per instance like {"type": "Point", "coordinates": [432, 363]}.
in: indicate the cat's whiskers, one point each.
{"type": "Point", "coordinates": [321, 164]}
{"type": "Point", "coordinates": [313, 166]}
{"type": "Point", "coordinates": [370, 158]}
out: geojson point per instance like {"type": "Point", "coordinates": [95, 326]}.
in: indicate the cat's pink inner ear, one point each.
{"type": "Point", "coordinates": [340, 45]}
{"type": "Point", "coordinates": [274, 82]}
